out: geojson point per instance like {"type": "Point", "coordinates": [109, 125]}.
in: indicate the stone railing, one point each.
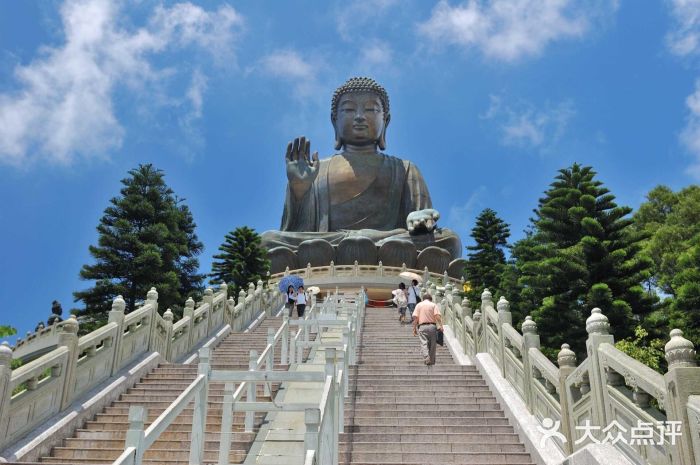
{"type": "Point", "coordinates": [357, 275]}
{"type": "Point", "coordinates": [323, 412]}
{"type": "Point", "coordinates": [32, 393]}
{"type": "Point", "coordinates": [37, 343]}
{"type": "Point", "coordinates": [609, 395]}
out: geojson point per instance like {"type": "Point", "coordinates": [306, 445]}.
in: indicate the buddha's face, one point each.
{"type": "Point", "coordinates": [360, 119]}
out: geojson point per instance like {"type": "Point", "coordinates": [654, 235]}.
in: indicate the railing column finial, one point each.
{"type": "Point", "coordinates": [682, 380]}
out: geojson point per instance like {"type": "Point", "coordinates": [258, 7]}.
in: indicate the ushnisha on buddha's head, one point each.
{"type": "Point", "coordinates": [360, 115]}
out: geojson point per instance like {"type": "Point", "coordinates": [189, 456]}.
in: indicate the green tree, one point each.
{"type": "Point", "coordinates": [522, 301]}
{"type": "Point", "coordinates": [146, 238]}
{"type": "Point", "coordinates": [486, 259]}
{"type": "Point", "coordinates": [649, 352]}
{"type": "Point", "coordinates": [242, 260]}
{"type": "Point", "coordinates": [671, 220]}
{"type": "Point", "coordinates": [6, 331]}
{"type": "Point", "coordinates": [583, 254]}
{"type": "Point", "coordinates": [685, 307]}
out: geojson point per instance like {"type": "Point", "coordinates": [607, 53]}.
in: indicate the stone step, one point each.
{"type": "Point", "coordinates": [120, 435]}
{"type": "Point", "coordinates": [427, 446]}
{"type": "Point", "coordinates": [178, 426]}
{"type": "Point", "coordinates": [449, 438]}
{"type": "Point", "coordinates": [423, 421]}
{"type": "Point", "coordinates": [122, 415]}
{"type": "Point", "coordinates": [438, 457]}
{"type": "Point", "coordinates": [476, 425]}
{"type": "Point", "coordinates": [401, 409]}
{"type": "Point", "coordinates": [161, 443]}
{"type": "Point", "coordinates": [111, 454]}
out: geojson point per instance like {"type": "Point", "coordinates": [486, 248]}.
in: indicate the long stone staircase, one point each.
{"type": "Point", "coordinates": [101, 440]}
{"type": "Point", "coordinates": [400, 411]}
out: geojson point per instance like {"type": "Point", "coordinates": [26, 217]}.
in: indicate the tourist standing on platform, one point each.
{"type": "Point", "coordinates": [401, 301]}
{"type": "Point", "coordinates": [426, 317]}
{"type": "Point", "coordinates": [301, 301]}
{"type": "Point", "coordinates": [413, 299]}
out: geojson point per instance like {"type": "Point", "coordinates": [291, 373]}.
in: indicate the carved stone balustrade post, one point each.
{"type": "Point", "coordinates": [209, 299]}
{"type": "Point", "coordinates": [504, 316]}
{"type": "Point", "coordinates": [426, 276]}
{"type": "Point", "coordinates": [116, 315]}
{"type": "Point", "coordinates": [566, 359]}
{"type": "Point", "coordinates": [152, 302]}
{"type": "Point", "coordinates": [598, 329]}
{"type": "Point", "coordinates": [242, 313]}
{"type": "Point", "coordinates": [682, 380]}
{"type": "Point", "coordinates": [477, 333]}
{"type": "Point", "coordinates": [189, 311]}
{"type": "Point", "coordinates": [5, 391]}
{"type": "Point", "coordinates": [230, 309]}
{"type": "Point", "coordinates": [530, 340]}
{"type": "Point", "coordinates": [68, 337]}
{"type": "Point", "coordinates": [255, 302]}
{"type": "Point", "coordinates": [486, 299]}
{"type": "Point", "coordinates": [467, 307]}
{"type": "Point", "coordinates": [168, 317]}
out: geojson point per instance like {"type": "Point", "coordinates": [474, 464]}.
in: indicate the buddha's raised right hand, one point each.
{"type": "Point", "coordinates": [302, 168]}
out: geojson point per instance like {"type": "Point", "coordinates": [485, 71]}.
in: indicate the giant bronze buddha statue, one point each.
{"type": "Point", "coordinates": [360, 204]}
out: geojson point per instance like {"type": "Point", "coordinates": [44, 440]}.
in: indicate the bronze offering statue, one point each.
{"type": "Point", "coordinates": [360, 204]}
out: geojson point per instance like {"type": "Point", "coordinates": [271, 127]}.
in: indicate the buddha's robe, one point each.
{"type": "Point", "coordinates": [378, 212]}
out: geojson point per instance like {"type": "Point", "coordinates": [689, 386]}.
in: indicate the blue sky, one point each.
{"type": "Point", "coordinates": [488, 98]}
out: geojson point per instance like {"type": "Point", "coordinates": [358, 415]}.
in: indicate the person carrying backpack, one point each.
{"type": "Point", "coordinates": [401, 301]}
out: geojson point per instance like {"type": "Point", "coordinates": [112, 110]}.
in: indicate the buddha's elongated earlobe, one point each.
{"type": "Point", "coordinates": [381, 143]}
{"type": "Point", "coordinates": [338, 141]}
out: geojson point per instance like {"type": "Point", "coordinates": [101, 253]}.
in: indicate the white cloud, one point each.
{"type": "Point", "coordinates": [351, 15]}
{"type": "Point", "coordinates": [63, 106]}
{"type": "Point", "coordinates": [289, 65]}
{"type": "Point", "coordinates": [509, 30]}
{"type": "Point", "coordinates": [690, 136]}
{"type": "Point", "coordinates": [684, 39]}
{"type": "Point", "coordinates": [377, 53]}
{"type": "Point", "coordinates": [523, 125]}
{"type": "Point", "coordinates": [461, 217]}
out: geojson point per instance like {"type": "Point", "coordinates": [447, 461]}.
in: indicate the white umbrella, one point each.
{"type": "Point", "coordinates": [314, 290]}
{"type": "Point", "coordinates": [411, 276]}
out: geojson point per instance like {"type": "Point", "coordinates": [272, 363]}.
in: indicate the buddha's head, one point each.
{"type": "Point", "coordinates": [360, 113]}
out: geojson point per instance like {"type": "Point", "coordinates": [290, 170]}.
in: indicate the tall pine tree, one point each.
{"type": "Point", "coordinates": [242, 260]}
{"type": "Point", "coordinates": [583, 254]}
{"type": "Point", "coordinates": [146, 239]}
{"type": "Point", "coordinates": [486, 258]}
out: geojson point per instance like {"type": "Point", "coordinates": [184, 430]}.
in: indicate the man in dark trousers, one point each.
{"type": "Point", "coordinates": [426, 317]}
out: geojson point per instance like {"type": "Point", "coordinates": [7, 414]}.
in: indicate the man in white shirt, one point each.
{"type": "Point", "coordinates": [301, 302]}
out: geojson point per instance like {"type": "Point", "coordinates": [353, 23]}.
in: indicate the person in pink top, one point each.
{"type": "Point", "coordinates": [426, 317]}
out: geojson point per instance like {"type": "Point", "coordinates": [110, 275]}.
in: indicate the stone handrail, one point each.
{"type": "Point", "coordinates": [323, 419]}
{"type": "Point", "coordinates": [607, 388]}
{"type": "Point", "coordinates": [43, 340]}
{"type": "Point", "coordinates": [31, 394]}
{"type": "Point", "coordinates": [371, 272]}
